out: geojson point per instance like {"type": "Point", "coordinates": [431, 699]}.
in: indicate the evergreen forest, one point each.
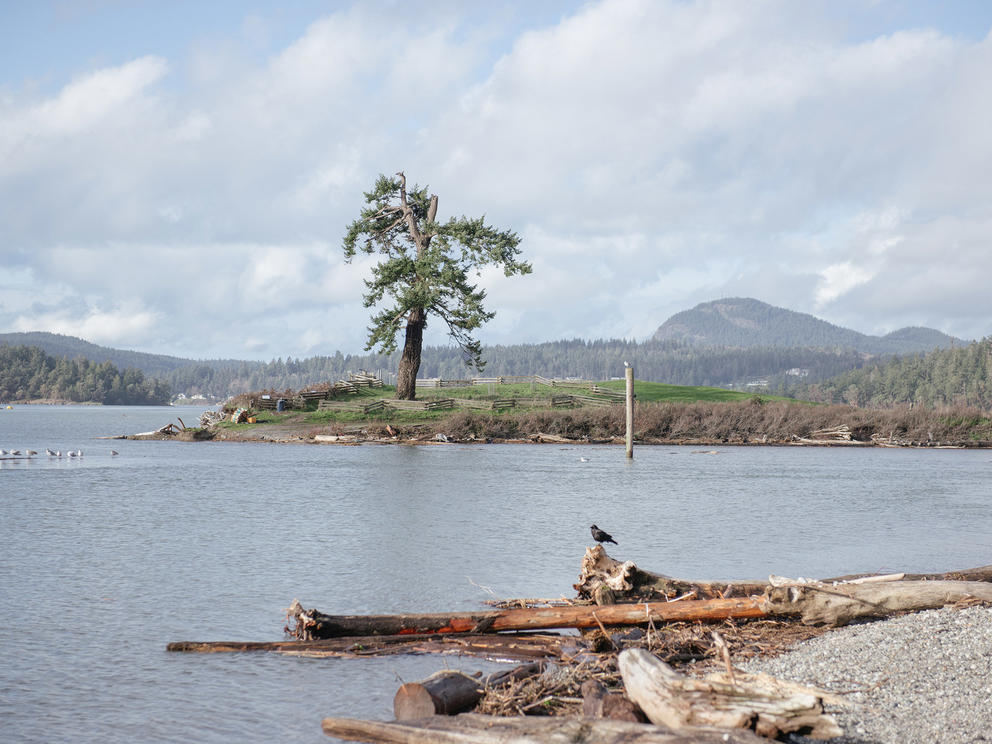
{"type": "Point", "coordinates": [28, 373]}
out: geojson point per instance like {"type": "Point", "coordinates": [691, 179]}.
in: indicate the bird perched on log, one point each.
{"type": "Point", "coordinates": [599, 536]}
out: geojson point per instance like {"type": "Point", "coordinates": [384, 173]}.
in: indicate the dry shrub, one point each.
{"type": "Point", "coordinates": [748, 421]}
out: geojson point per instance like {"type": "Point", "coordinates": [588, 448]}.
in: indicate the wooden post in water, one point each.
{"type": "Point", "coordinates": [630, 410]}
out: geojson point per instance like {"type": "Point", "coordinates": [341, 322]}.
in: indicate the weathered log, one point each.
{"type": "Point", "coordinates": [673, 700]}
{"type": "Point", "coordinates": [443, 693]}
{"type": "Point", "coordinates": [838, 604]}
{"type": "Point", "coordinates": [982, 573]}
{"type": "Point", "coordinates": [449, 692]}
{"type": "Point", "coordinates": [625, 581]}
{"type": "Point", "coordinates": [607, 580]}
{"type": "Point", "coordinates": [315, 624]}
{"type": "Point", "coordinates": [472, 728]}
{"type": "Point", "coordinates": [493, 646]}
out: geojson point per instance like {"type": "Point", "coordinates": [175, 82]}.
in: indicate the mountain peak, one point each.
{"type": "Point", "coordinates": [746, 323]}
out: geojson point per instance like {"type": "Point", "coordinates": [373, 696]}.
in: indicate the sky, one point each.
{"type": "Point", "coordinates": [177, 178]}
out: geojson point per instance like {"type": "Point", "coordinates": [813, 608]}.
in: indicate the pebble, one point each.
{"type": "Point", "coordinates": [920, 678]}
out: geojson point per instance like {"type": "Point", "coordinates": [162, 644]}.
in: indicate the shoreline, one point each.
{"type": "Point", "coordinates": [308, 434]}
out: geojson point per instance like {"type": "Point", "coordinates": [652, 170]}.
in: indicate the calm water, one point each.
{"type": "Point", "coordinates": [105, 560]}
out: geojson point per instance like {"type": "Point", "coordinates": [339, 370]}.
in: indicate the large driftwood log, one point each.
{"type": "Point", "coordinates": [819, 603]}
{"type": "Point", "coordinates": [315, 624]}
{"type": "Point", "coordinates": [607, 580]}
{"type": "Point", "coordinates": [673, 700]}
{"type": "Point", "coordinates": [472, 728]}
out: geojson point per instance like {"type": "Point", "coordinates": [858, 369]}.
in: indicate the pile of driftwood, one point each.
{"type": "Point", "coordinates": [623, 678]}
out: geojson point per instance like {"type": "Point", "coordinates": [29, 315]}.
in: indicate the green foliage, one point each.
{"type": "Point", "coordinates": [426, 264]}
{"type": "Point", "coordinates": [28, 373]}
{"type": "Point", "coordinates": [957, 376]}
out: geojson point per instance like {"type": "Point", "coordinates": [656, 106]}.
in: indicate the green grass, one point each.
{"type": "Point", "coordinates": [530, 397]}
{"type": "Point", "coordinates": [659, 392]}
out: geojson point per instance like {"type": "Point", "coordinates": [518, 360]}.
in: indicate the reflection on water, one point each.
{"type": "Point", "coordinates": [107, 558]}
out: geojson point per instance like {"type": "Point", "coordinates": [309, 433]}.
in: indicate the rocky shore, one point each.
{"type": "Point", "coordinates": [921, 678]}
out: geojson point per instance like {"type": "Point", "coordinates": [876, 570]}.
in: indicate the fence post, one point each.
{"type": "Point", "coordinates": [630, 410]}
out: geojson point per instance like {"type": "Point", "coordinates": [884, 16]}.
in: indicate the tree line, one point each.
{"type": "Point", "coordinates": [957, 376]}
{"type": "Point", "coordinates": [28, 373]}
{"type": "Point", "coordinates": [673, 362]}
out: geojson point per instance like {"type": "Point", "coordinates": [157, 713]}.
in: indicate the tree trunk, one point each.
{"type": "Point", "coordinates": [449, 692]}
{"type": "Point", "coordinates": [444, 693]}
{"type": "Point", "coordinates": [406, 377]}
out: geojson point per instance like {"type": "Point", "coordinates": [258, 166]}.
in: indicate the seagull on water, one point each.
{"type": "Point", "coordinates": [601, 537]}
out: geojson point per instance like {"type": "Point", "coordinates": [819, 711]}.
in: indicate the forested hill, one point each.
{"type": "Point", "coordinates": [748, 323]}
{"type": "Point", "coordinates": [155, 365]}
{"type": "Point", "coordinates": [28, 373]}
{"type": "Point", "coordinates": [962, 375]}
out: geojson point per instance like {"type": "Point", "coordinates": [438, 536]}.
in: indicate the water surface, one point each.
{"type": "Point", "coordinates": [106, 559]}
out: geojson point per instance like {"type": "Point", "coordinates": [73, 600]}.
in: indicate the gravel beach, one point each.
{"type": "Point", "coordinates": [923, 677]}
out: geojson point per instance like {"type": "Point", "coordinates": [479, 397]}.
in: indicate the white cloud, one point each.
{"type": "Point", "coordinates": [92, 99]}
{"type": "Point", "coordinates": [652, 154]}
{"type": "Point", "coordinates": [838, 279]}
{"type": "Point", "coordinates": [121, 326]}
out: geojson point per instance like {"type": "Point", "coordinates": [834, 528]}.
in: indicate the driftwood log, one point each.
{"type": "Point", "coordinates": [673, 700]}
{"type": "Point", "coordinates": [832, 602]}
{"type": "Point", "coordinates": [606, 580]}
{"type": "Point", "coordinates": [312, 624]}
{"type": "Point", "coordinates": [821, 603]}
{"type": "Point", "coordinates": [472, 728]}
{"type": "Point", "coordinates": [449, 692]}
{"type": "Point", "coordinates": [490, 646]}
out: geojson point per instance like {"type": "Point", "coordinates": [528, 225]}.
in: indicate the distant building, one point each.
{"type": "Point", "coordinates": [797, 372]}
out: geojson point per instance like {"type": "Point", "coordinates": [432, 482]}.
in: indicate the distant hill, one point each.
{"type": "Point", "coordinates": [57, 345]}
{"type": "Point", "coordinates": [741, 322]}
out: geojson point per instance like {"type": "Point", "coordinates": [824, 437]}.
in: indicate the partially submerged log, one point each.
{"type": "Point", "coordinates": [490, 646]}
{"type": "Point", "coordinates": [315, 624]}
{"type": "Point", "coordinates": [472, 728]}
{"type": "Point", "coordinates": [607, 580]}
{"type": "Point", "coordinates": [819, 603]}
{"type": "Point", "coordinates": [676, 701]}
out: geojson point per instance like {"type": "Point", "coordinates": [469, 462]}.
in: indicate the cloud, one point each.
{"type": "Point", "coordinates": [652, 154]}
{"type": "Point", "coordinates": [120, 326]}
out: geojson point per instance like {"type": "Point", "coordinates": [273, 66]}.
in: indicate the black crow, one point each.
{"type": "Point", "coordinates": [599, 536]}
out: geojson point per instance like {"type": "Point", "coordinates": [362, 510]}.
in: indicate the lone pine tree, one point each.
{"type": "Point", "coordinates": [425, 271]}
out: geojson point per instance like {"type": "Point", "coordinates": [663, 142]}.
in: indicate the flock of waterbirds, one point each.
{"type": "Point", "coordinates": [48, 451]}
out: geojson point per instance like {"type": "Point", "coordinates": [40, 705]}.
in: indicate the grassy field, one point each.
{"type": "Point", "coordinates": [530, 397]}
{"type": "Point", "coordinates": [659, 392]}
{"type": "Point", "coordinates": [666, 413]}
